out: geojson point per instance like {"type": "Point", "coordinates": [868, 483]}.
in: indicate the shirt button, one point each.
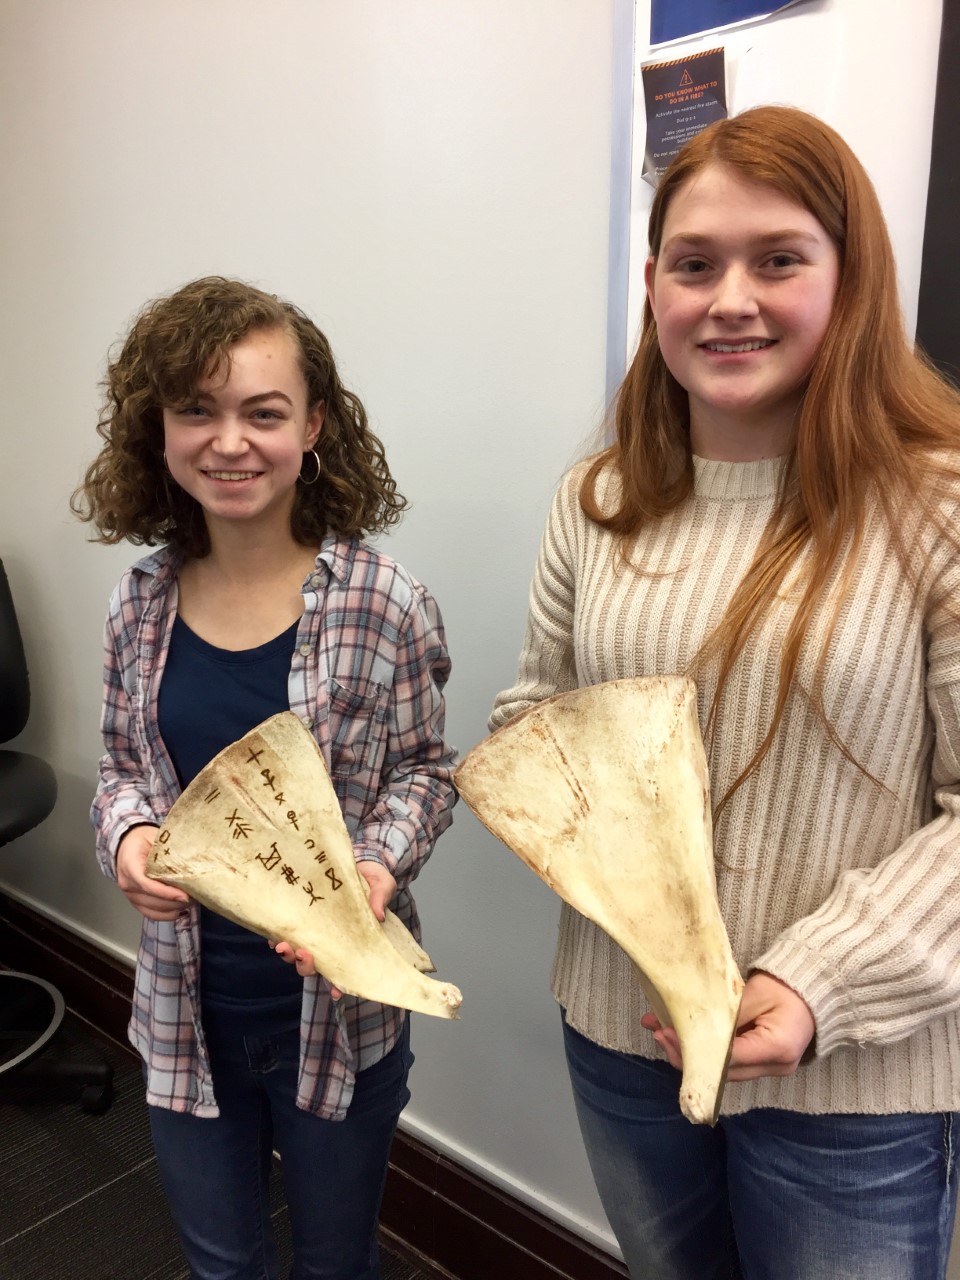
{"type": "Point", "coordinates": [306, 720]}
{"type": "Point", "coordinates": [306, 650]}
{"type": "Point", "coordinates": [316, 580]}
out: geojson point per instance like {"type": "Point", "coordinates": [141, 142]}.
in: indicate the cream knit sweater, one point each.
{"type": "Point", "coordinates": [847, 891]}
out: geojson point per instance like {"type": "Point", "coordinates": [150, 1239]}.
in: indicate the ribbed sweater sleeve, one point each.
{"type": "Point", "coordinates": [547, 665]}
{"type": "Point", "coordinates": [881, 957]}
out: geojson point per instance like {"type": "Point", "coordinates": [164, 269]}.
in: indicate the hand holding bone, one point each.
{"type": "Point", "coordinates": [774, 1031]}
{"type": "Point", "coordinates": [383, 889]}
{"type": "Point", "coordinates": [154, 900]}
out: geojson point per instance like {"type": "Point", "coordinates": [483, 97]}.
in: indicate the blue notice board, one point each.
{"type": "Point", "coordinates": [674, 19]}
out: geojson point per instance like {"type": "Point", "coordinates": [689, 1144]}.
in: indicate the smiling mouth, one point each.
{"type": "Point", "coordinates": [231, 475]}
{"type": "Point", "coordinates": [737, 348]}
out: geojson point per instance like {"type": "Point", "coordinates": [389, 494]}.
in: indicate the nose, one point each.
{"type": "Point", "coordinates": [735, 294]}
{"type": "Point", "coordinates": [230, 440]}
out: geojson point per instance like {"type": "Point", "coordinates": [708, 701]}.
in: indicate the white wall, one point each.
{"type": "Point", "coordinates": [430, 180]}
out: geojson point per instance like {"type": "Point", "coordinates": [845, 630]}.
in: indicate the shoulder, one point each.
{"type": "Point", "coordinates": [942, 540]}
{"type": "Point", "coordinates": [602, 480]}
{"type": "Point", "coordinates": [145, 578]}
{"type": "Point", "coordinates": [370, 580]}
{"type": "Point", "coordinates": [945, 481]}
{"type": "Point", "coordinates": [921, 515]}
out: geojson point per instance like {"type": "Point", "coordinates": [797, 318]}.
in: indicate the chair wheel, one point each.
{"type": "Point", "coordinates": [95, 1099]}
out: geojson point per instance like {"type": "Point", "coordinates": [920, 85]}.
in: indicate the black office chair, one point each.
{"type": "Point", "coordinates": [31, 1010]}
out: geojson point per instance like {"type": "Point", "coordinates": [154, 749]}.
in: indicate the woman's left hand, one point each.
{"type": "Point", "coordinates": [382, 889]}
{"type": "Point", "coordinates": [774, 1031]}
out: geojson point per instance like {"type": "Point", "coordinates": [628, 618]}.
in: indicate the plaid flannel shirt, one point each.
{"type": "Point", "coordinates": [367, 674]}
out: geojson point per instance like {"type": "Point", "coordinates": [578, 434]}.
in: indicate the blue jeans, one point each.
{"type": "Point", "coordinates": [215, 1172]}
{"type": "Point", "coordinates": [768, 1195]}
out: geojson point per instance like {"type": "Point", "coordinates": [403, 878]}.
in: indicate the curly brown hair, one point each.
{"type": "Point", "coordinates": [176, 341]}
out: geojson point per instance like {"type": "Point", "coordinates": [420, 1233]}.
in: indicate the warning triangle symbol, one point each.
{"type": "Point", "coordinates": [686, 78]}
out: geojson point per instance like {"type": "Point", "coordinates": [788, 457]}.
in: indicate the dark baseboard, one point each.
{"type": "Point", "coordinates": [438, 1213]}
{"type": "Point", "coordinates": [474, 1231]}
{"type": "Point", "coordinates": [93, 983]}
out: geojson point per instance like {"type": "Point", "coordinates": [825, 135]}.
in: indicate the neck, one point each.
{"type": "Point", "coordinates": [719, 437]}
{"type": "Point", "coordinates": [240, 554]}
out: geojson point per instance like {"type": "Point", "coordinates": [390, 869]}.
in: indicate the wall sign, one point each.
{"type": "Point", "coordinates": [675, 19]}
{"type": "Point", "coordinates": [682, 97]}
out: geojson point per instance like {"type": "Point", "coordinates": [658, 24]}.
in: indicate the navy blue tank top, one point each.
{"type": "Point", "coordinates": [210, 697]}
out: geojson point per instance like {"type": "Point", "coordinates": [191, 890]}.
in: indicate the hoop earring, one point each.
{"type": "Point", "coordinates": [163, 491]}
{"type": "Point", "coordinates": [316, 459]}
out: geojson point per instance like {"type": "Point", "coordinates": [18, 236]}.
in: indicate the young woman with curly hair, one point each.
{"type": "Point", "coordinates": [229, 437]}
{"type": "Point", "coordinates": [777, 515]}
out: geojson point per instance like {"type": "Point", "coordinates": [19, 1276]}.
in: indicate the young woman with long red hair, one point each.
{"type": "Point", "coordinates": [777, 515]}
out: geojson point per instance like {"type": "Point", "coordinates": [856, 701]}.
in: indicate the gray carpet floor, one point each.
{"type": "Point", "coordinates": [80, 1198]}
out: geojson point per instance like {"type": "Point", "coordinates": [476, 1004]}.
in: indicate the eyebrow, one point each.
{"type": "Point", "coordinates": [769, 237]}
{"type": "Point", "coordinates": [257, 399]}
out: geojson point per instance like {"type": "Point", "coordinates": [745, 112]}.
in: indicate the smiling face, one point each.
{"type": "Point", "coordinates": [742, 292]}
{"type": "Point", "coordinates": [237, 448]}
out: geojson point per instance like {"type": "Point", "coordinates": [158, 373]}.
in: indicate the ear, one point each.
{"type": "Point", "coordinates": [648, 274]}
{"type": "Point", "coordinates": [314, 423]}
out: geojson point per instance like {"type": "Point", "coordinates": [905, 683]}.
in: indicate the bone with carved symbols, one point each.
{"type": "Point", "coordinates": [603, 792]}
{"type": "Point", "coordinates": [258, 836]}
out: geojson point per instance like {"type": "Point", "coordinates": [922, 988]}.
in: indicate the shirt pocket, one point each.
{"type": "Point", "coordinates": [357, 721]}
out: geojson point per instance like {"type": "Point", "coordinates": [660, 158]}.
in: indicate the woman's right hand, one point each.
{"type": "Point", "coordinates": [152, 898]}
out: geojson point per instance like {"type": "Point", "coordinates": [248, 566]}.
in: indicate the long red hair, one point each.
{"type": "Point", "coordinates": [876, 422]}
